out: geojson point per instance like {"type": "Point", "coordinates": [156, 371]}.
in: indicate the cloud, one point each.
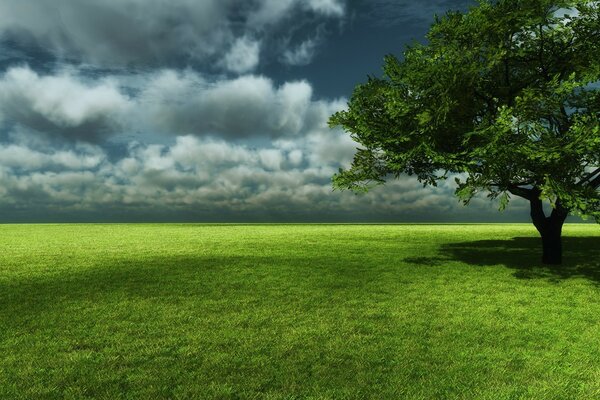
{"type": "Point", "coordinates": [301, 55]}
{"type": "Point", "coordinates": [243, 56]}
{"type": "Point", "coordinates": [211, 177]}
{"type": "Point", "coordinates": [21, 157]}
{"type": "Point", "coordinates": [200, 167]}
{"type": "Point", "coordinates": [327, 7]}
{"type": "Point", "coordinates": [213, 136]}
{"type": "Point", "coordinates": [62, 104]}
{"type": "Point", "coordinates": [272, 11]}
{"type": "Point", "coordinates": [169, 102]}
{"type": "Point", "coordinates": [295, 157]}
{"type": "Point", "coordinates": [122, 33]}
{"type": "Point", "coordinates": [244, 107]}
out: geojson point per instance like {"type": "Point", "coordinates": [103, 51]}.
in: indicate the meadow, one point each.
{"type": "Point", "coordinates": [190, 311]}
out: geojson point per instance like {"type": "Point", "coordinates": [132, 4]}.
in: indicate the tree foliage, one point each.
{"type": "Point", "coordinates": [506, 95]}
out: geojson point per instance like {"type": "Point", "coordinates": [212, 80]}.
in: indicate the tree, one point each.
{"type": "Point", "coordinates": [505, 97]}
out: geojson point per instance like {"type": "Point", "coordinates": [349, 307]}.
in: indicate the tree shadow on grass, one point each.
{"type": "Point", "coordinates": [581, 257]}
{"type": "Point", "coordinates": [246, 280]}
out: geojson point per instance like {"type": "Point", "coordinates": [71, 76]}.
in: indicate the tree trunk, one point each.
{"type": "Point", "coordinates": [552, 247]}
{"type": "Point", "coordinates": [550, 228]}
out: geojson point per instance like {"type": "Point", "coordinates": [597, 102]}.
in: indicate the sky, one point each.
{"type": "Point", "coordinates": [201, 111]}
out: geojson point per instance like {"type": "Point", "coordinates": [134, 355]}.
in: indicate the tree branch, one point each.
{"type": "Point", "coordinates": [559, 213]}
{"type": "Point", "coordinates": [541, 54]}
{"type": "Point", "coordinates": [538, 217]}
{"type": "Point", "coordinates": [527, 194]}
{"type": "Point", "coordinates": [593, 182]}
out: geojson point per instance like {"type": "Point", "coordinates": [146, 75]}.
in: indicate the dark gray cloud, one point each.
{"type": "Point", "coordinates": [247, 106]}
{"type": "Point", "coordinates": [121, 33]}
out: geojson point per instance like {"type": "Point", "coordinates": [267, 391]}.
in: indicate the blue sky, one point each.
{"type": "Point", "coordinates": [212, 110]}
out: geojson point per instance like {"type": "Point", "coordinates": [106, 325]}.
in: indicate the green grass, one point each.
{"type": "Point", "coordinates": [297, 311]}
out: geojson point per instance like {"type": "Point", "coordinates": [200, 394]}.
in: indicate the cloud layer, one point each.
{"type": "Point", "coordinates": [210, 178]}
{"type": "Point", "coordinates": [165, 101]}
{"type": "Point", "coordinates": [61, 105]}
{"type": "Point", "coordinates": [247, 106]}
{"type": "Point", "coordinates": [239, 148]}
{"type": "Point", "coordinates": [149, 109]}
{"type": "Point", "coordinates": [122, 33]}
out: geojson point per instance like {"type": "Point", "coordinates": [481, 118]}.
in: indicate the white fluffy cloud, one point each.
{"type": "Point", "coordinates": [328, 7]}
{"type": "Point", "coordinates": [61, 104]}
{"type": "Point", "coordinates": [271, 11]}
{"type": "Point", "coordinates": [243, 56]}
{"type": "Point", "coordinates": [167, 101]}
{"type": "Point", "coordinates": [21, 157]}
{"type": "Point", "coordinates": [207, 174]}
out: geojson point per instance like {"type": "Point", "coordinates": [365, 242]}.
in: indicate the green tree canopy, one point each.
{"type": "Point", "coordinates": [506, 95]}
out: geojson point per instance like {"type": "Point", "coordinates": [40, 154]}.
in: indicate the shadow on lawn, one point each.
{"type": "Point", "coordinates": [581, 257]}
{"type": "Point", "coordinates": [220, 282]}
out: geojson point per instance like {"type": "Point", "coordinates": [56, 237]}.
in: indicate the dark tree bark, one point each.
{"type": "Point", "coordinates": [550, 229]}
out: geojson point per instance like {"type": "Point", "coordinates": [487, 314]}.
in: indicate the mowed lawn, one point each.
{"type": "Point", "coordinates": [297, 312]}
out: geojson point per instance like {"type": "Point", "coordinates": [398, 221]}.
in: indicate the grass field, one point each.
{"type": "Point", "coordinates": [297, 312]}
